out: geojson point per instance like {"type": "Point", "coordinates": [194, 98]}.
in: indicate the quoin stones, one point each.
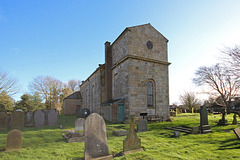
{"type": "Point", "coordinates": [95, 137]}
{"type": "Point", "coordinates": [39, 119]}
{"type": "Point", "coordinates": [18, 119]}
{"type": "Point", "coordinates": [3, 121]}
{"type": "Point", "coordinates": [14, 140]}
{"type": "Point", "coordinates": [79, 124]}
{"type": "Point", "coordinates": [132, 142]}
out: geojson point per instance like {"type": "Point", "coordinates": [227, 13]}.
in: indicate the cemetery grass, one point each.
{"type": "Point", "coordinates": [158, 143]}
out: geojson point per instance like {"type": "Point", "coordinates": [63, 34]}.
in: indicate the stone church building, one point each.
{"type": "Point", "coordinates": [134, 78]}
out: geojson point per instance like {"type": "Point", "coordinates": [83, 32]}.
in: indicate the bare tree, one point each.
{"type": "Point", "coordinates": [7, 84]}
{"type": "Point", "coordinates": [220, 80]}
{"type": "Point", "coordinates": [49, 88]}
{"type": "Point", "coordinates": [74, 85]}
{"type": "Point", "coordinates": [231, 60]}
{"type": "Point", "coordinates": [189, 100]}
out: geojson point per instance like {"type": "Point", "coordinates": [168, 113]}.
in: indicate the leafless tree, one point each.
{"type": "Point", "coordinates": [49, 88]}
{"type": "Point", "coordinates": [74, 85]}
{"type": "Point", "coordinates": [189, 100]}
{"type": "Point", "coordinates": [231, 60]}
{"type": "Point", "coordinates": [8, 84]}
{"type": "Point", "coordinates": [220, 80]}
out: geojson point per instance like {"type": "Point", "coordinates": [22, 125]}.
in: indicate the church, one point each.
{"type": "Point", "coordinates": [134, 79]}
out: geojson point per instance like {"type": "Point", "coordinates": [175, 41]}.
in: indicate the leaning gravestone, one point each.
{"type": "Point", "coordinates": [17, 119]}
{"type": "Point", "coordinates": [83, 113]}
{"type": "Point", "coordinates": [95, 137]}
{"type": "Point", "coordinates": [142, 125]}
{"type": "Point", "coordinates": [39, 119]}
{"type": "Point", "coordinates": [3, 121]}
{"type": "Point", "coordinates": [132, 142]}
{"type": "Point", "coordinates": [237, 132]}
{"type": "Point", "coordinates": [79, 124]}
{"type": "Point", "coordinates": [51, 117]}
{"type": "Point", "coordinates": [14, 140]}
{"type": "Point", "coordinates": [29, 119]}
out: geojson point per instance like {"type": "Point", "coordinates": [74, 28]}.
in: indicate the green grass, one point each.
{"type": "Point", "coordinates": [47, 143]}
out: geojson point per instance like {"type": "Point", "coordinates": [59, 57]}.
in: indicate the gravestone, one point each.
{"type": "Point", "coordinates": [14, 140]}
{"type": "Point", "coordinates": [79, 124]}
{"type": "Point", "coordinates": [204, 127]}
{"type": "Point", "coordinates": [51, 117]}
{"type": "Point", "coordinates": [3, 121]}
{"type": "Point", "coordinates": [132, 142]}
{"type": "Point", "coordinates": [176, 134]}
{"type": "Point", "coordinates": [39, 119]}
{"type": "Point", "coordinates": [17, 119]}
{"type": "Point", "coordinates": [29, 119]}
{"type": "Point", "coordinates": [234, 119]}
{"type": "Point", "coordinates": [142, 125]}
{"type": "Point", "coordinates": [83, 113]}
{"type": "Point", "coordinates": [95, 137]}
{"type": "Point", "coordinates": [237, 132]}
{"type": "Point", "coordinates": [203, 116]}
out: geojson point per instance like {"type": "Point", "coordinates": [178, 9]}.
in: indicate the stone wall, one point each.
{"type": "Point", "coordinates": [91, 92]}
{"type": "Point", "coordinates": [141, 72]}
{"type": "Point", "coordinates": [134, 64]}
{"type": "Point", "coordinates": [70, 106]}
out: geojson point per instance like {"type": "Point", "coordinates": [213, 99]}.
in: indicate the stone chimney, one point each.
{"type": "Point", "coordinates": [108, 69]}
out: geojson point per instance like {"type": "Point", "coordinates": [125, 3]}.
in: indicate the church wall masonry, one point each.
{"type": "Point", "coordinates": [137, 58]}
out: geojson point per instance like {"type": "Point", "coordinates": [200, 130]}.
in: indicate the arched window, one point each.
{"type": "Point", "coordinates": [150, 93]}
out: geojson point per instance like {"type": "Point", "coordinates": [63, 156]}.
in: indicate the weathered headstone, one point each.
{"type": "Point", "coordinates": [237, 132]}
{"type": "Point", "coordinates": [17, 119]}
{"type": "Point", "coordinates": [234, 119]}
{"type": "Point", "coordinates": [204, 127]}
{"type": "Point", "coordinates": [132, 142]}
{"type": "Point", "coordinates": [121, 133]}
{"type": "Point", "coordinates": [95, 137]}
{"type": "Point", "coordinates": [203, 116]}
{"type": "Point", "coordinates": [14, 140]}
{"type": "Point", "coordinates": [29, 119]}
{"type": "Point", "coordinates": [84, 113]}
{"type": "Point", "coordinates": [3, 121]}
{"type": "Point", "coordinates": [79, 124]}
{"type": "Point", "coordinates": [142, 125]}
{"type": "Point", "coordinates": [176, 134]}
{"type": "Point", "coordinates": [39, 119]}
{"type": "Point", "coordinates": [51, 117]}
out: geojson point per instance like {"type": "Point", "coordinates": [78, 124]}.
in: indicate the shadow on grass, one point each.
{"type": "Point", "coordinates": [232, 143]}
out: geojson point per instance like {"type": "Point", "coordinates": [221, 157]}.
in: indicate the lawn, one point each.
{"type": "Point", "coordinates": [158, 143]}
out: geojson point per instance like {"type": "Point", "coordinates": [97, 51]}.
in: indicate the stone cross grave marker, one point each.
{"type": "Point", "coordinates": [3, 121]}
{"type": "Point", "coordinates": [237, 132]}
{"type": "Point", "coordinates": [95, 137]}
{"type": "Point", "coordinates": [142, 125]}
{"type": "Point", "coordinates": [132, 142]}
{"type": "Point", "coordinates": [39, 119]}
{"type": "Point", "coordinates": [79, 124]}
{"type": "Point", "coordinates": [18, 119]}
{"type": "Point", "coordinates": [29, 119]}
{"type": "Point", "coordinates": [52, 118]}
{"type": "Point", "coordinates": [14, 140]}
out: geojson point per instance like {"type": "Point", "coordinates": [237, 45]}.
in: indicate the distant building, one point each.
{"type": "Point", "coordinates": [72, 103]}
{"type": "Point", "coordinates": [134, 78]}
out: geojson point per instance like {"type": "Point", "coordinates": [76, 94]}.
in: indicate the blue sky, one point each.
{"type": "Point", "coordinates": [65, 39]}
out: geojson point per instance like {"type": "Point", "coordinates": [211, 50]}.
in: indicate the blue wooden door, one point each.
{"type": "Point", "coordinates": [121, 112]}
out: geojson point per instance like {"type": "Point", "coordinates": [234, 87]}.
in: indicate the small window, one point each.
{"type": "Point", "coordinates": [149, 45]}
